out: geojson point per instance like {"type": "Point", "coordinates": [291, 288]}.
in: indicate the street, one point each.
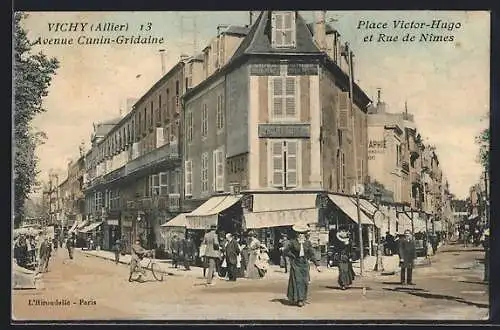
{"type": "Point", "coordinates": [97, 289]}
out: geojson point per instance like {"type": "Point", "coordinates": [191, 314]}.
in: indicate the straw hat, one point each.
{"type": "Point", "coordinates": [343, 236]}
{"type": "Point", "coordinates": [300, 228]}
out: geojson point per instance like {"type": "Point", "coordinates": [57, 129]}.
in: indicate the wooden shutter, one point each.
{"type": "Point", "coordinates": [277, 163]}
{"type": "Point", "coordinates": [277, 97]}
{"type": "Point", "coordinates": [343, 110]}
{"type": "Point", "coordinates": [218, 160]}
{"type": "Point", "coordinates": [287, 28]}
{"type": "Point", "coordinates": [189, 178]}
{"type": "Point", "coordinates": [164, 184]}
{"type": "Point", "coordinates": [273, 30]}
{"type": "Point", "coordinates": [291, 163]}
{"type": "Point", "coordinates": [290, 95]}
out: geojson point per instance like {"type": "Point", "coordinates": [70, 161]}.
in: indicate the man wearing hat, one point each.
{"type": "Point", "coordinates": [212, 253]}
{"type": "Point", "coordinates": [117, 248]}
{"type": "Point", "coordinates": [300, 252]}
{"type": "Point", "coordinates": [407, 255]}
{"type": "Point", "coordinates": [283, 243]}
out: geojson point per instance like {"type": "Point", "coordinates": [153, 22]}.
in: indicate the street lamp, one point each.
{"type": "Point", "coordinates": [378, 218]}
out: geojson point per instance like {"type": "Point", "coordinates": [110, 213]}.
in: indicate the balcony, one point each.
{"type": "Point", "coordinates": [405, 166]}
{"type": "Point", "coordinates": [157, 156]}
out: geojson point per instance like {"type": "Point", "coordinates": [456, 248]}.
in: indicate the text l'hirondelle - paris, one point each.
{"type": "Point", "coordinates": [402, 24]}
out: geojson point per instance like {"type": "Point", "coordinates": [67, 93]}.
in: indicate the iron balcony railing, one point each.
{"type": "Point", "coordinates": [164, 153]}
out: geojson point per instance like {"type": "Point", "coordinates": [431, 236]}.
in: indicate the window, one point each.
{"type": "Point", "coordinates": [204, 121]}
{"type": "Point", "coordinates": [204, 172]}
{"type": "Point", "coordinates": [158, 114]}
{"type": "Point", "coordinates": [151, 114]}
{"type": "Point", "coordinates": [167, 104]}
{"type": "Point", "coordinates": [220, 112]}
{"type": "Point", "coordinates": [285, 162]}
{"type": "Point", "coordinates": [177, 92]}
{"type": "Point", "coordinates": [398, 155]}
{"type": "Point", "coordinates": [218, 158]}
{"type": "Point", "coordinates": [189, 178]}
{"type": "Point", "coordinates": [98, 201]}
{"type": "Point", "coordinates": [340, 170]}
{"type": "Point", "coordinates": [154, 185]}
{"type": "Point", "coordinates": [360, 170]}
{"type": "Point", "coordinates": [283, 98]}
{"type": "Point", "coordinates": [145, 119]}
{"type": "Point", "coordinates": [189, 126]}
{"type": "Point", "coordinates": [283, 29]}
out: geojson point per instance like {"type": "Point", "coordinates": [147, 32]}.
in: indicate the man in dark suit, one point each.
{"type": "Point", "coordinates": [407, 255]}
{"type": "Point", "coordinates": [212, 253]}
{"type": "Point", "coordinates": [175, 248]}
{"type": "Point", "coordinates": [189, 251]}
{"type": "Point", "coordinates": [231, 254]}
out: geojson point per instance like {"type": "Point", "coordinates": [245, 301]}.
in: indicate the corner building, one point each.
{"type": "Point", "coordinates": [269, 137]}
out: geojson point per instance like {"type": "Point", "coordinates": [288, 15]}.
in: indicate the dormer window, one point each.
{"type": "Point", "coordinates": [283, 29]}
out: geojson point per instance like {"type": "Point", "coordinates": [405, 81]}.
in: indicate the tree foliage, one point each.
{"type": "Point", "coordinates": [483, 140]}
{"type": "Point", "coordinates": [32, 77]}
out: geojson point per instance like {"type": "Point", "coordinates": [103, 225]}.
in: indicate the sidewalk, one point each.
{"type": "Point", "coordinates": [275, 272]}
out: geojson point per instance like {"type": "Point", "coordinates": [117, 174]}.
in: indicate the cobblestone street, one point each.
{"type": "Point", "coordinates": [451, 288]}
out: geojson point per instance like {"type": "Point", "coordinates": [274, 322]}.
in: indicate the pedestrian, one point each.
{"type": "Point", "coordinates": [346, 272]}
{"type": "Point", "coordinates": [70, 244]}
{"type": "Point", "coordinates": [407, 255]}
{"type": "Point", "coordinates": [239, 268]}
{"type": "Point", "coordinates": [245, 254]}
{"type": "Point", "coordinates": [253, 245]}
{"type": "Point", "coordinates": [283, 245]}
{"type": "Point", "coordinates": [300, 252]}
{"type": "Point", "coordinates": [466, 236]}
{"type": "Point", "coordinates": [174, 250]}
{"type": "Point", "coordinates": [48, 252]}
{"type": "Point", "coordinates": [203, 259]}
{"type": "Point", "coordinates": [55, 243]}
{"type": "Point", "coordinates": [262, 263]}
{"type": "Point", "coordinates": [212, 252]}
{"type": "Point", "coordinates": [389, 246]}
{"type": "Point", "coordinates": [137, 254]}
{"type": "Point", "coordinates": [232, 251]}
{"type": "Point", "coordinates": [42, 254]}
{"type": "Point", "coordinates": [117, 249]}
{"type": "Point", "coordinates": [486, 245]}
{"type": "Point", "coordinates": [188, 251]}
{"type": "Point", "coordinates": [221, 265]}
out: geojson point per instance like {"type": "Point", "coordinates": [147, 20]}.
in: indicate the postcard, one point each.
{"type": "Point", "coordinates": [251, 165]}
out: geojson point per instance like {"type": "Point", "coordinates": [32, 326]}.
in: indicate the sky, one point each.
{"type": "Point", "coordinates": [445, 84]}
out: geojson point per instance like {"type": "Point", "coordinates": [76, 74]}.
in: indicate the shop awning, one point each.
{"type": "Point", "coordinates": [91, 227]}
{"type": "Point", "coordinates": [473, 216]}
{"type": "Point", "coordinates": [82, 224]}
{"type": "Point", "coordinates": [73, 227]}
{"type": "Point", "coordinates": [366, 206]}
{"type": "Point", "coordinates": [177, 221]}
{"type": "Point", "coordinates": [280, 218]}
{"type": "Point", "coordinates": [288, 201]}
{"type": "Point", "coordinates": [349, 208]}
{"type": "Point", "coordinates": [207, 214]}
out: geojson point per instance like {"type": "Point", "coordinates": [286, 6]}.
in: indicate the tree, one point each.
{"type": "Point", "coordinates": [32, 77]}
{"type": "Point", "coordinates": [483, 140]}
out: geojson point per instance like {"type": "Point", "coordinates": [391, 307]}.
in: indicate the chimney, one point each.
{"type": "Point", "coordinates": [320, 30]}
{"type": "Point", "coordinates": [162, 58]}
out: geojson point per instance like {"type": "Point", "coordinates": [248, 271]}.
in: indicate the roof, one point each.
{"type": "Point", "coordinates": [237, 30]}
{"type": "Point", "coordinates": [328, 28]}
{"type": "Point", "coordinates": [258, 42]}
{"type": "Point", "coordinates": [198, 58]}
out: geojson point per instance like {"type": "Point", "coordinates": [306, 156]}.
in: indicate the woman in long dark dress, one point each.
{"type": "Point", "coordinates": [300, 252]}
{"type": "Point", "coordinates": [346, 272]}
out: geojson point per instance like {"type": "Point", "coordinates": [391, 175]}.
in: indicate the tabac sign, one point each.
{"type": "Point", "coordinates": [285, 131]}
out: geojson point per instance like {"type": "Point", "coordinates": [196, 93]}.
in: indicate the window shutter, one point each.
{"type": "Point", "coordinates": [273, 29]}
{"type": "Point", "coordinates": [219, 170]}
{"type": "Point", "coordinates": [163, 184]}
{"type": "Point", "coordinates": [189, 178]}
{"type": "Point", "coordinates": [277, 97]}
{"type": "Point", "coordinates": [343, 110]}
{"type": "Point", "coordinates": [290, 92]}
{"type": "Point", "coordinates": [277, 163]}
{"type": "Point", "coordinates": [291, 162]}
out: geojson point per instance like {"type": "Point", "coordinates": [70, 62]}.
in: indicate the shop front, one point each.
{"type": "Point", "coordinates": [92, 233]}
{"type": "Point", "coordinates": [342, 214]}
{"type": "Point", "coordinates": [272, 214]}
{"type": "Point", "coordinates": [111, 232]}
{"type": "Point", "coordinates": [173, 227]}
